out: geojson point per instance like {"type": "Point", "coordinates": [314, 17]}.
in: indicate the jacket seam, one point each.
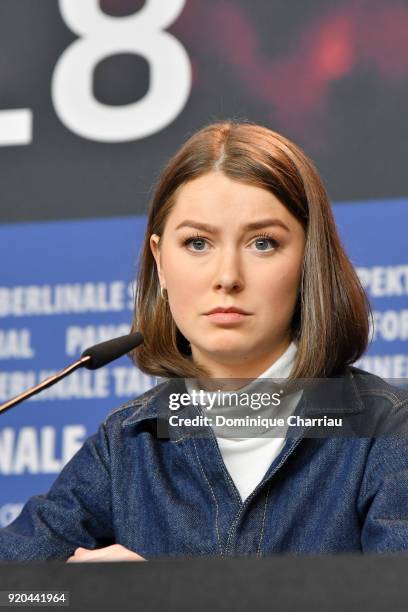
{"type": "Point", "coordinates": [383, 393]}
{"type": "Point", "coordinates": [242, 510]}
{"type": "Point", "coordinates": [364, 481]}
{"type": "Point", "coordinates": [258, 552]}
{"type": "Point", "coordinates": [401, 404]}
{"type": "Point", "coordinates": [181, 439]}
{"type": "Point", "coordinates": [213, 496]}
{"type": "Point", "coordinates": [116, 410]}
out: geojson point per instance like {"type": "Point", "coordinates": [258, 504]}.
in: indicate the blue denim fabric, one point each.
{"type": "Point", "coordinates": [173, 496]}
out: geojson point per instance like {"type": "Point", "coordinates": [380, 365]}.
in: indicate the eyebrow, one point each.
{"type": "Point", "coordinates": [250, 226]}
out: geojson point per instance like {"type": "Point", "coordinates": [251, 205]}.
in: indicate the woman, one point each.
{"type": "Point", "coordinates": [239, 220]}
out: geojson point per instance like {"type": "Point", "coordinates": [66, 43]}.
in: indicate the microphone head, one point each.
{"type": "Point", "coordinates": [108, 351]}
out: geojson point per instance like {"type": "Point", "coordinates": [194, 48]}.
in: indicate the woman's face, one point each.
{"type": "Point", "coordinates": [227, 263]}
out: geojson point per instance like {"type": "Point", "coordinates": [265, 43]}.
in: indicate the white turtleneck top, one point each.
{"type": "Point", "coordinates": [248, 459]}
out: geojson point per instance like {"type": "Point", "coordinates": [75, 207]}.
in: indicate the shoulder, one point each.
{"type": "Point", "coordinates": [122, 412]}
{"type": "Point", "coordinates": [149, 405]}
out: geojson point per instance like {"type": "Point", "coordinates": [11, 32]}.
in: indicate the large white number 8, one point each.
{"type": "Point", "coordinates": [101, 36]}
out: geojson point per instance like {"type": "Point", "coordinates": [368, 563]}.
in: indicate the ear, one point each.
{"type": "Point", "coordinates": [155, 248]}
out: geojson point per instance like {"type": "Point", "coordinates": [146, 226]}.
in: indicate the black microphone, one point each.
{"type": "Point", "coordinates": [92, 358]}
{"type": "Point", "coordinates": [105, 352]}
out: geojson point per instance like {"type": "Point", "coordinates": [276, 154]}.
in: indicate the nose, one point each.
{"type": "Point", "coordinates": [228, 276]}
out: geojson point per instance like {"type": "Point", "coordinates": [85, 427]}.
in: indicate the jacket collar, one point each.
{"type": "Point", "coordinates": [154, 403]}
{"type": "Point", "coordinates": [340, 396]}
{"type": "Point", "coordinates": [334, 396]}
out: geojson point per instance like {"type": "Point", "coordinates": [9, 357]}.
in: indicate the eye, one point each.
{"type": "Point", "coordinates": [195, 239]}
{"type": "Point", "coordinates": [265, 238]}
{"type": "Point", "coordinates": [200, 242]}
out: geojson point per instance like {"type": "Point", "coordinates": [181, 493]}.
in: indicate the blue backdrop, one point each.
{"type": "Point", "coordinates": [67, 285]}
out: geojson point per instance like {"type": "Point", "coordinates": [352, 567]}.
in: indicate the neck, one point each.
{"type": "Point", "coordinates": [227, 373]}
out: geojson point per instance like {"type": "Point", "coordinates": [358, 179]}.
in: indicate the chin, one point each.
{"type": "Point", "coordinates": [227, 349]}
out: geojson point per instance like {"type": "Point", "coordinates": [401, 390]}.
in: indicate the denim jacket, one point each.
{"type": "Point", "coordinates": [167, 494]}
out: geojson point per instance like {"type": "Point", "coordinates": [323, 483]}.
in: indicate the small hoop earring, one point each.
{"type": "Point", "coordinates": [164, 297]}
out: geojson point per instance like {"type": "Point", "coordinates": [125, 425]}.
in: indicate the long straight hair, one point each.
{"type": "Point", "coordinates": [330, 324]}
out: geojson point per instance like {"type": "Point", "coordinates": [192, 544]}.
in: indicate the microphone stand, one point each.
{"type": "Point", "coordinates": [48, 382]}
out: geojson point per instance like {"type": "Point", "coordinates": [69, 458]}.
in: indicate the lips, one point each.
{"type": "Point", "coordinates": [227, 310]}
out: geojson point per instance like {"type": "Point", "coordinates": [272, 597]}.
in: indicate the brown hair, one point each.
{"type": "Point", "coordinates": [330, 324]}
